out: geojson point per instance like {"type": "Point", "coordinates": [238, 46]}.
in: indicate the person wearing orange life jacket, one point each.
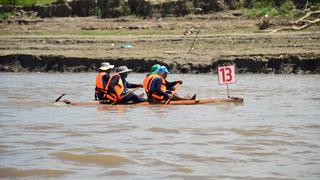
{"type": "Point", "coordinates": [149, 77]}
{"type": "Point", "coordinates": [114, 88]}
{"type": "Point", "coordinates": [127, 96]}
{"type": "Point", "coordinates": [102, 80]}
{"type": "Point", "coordinates": [160, 89]}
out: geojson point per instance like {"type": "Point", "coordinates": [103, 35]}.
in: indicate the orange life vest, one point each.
{"type": "Point", "coordinates": [99, 83]}
{"type": "Point", "coordinates": [119, 88]}
{"type": "Point", "coordinates": [152, 92]}
{"type": "Point", "coordinates": [147, 81]}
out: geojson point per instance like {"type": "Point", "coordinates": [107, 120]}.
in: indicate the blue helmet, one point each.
{"type": "Point", "coordinates": [163, 69]}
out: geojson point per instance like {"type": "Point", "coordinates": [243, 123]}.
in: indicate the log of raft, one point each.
{"type": "Point", "coordinates": [180, 102]}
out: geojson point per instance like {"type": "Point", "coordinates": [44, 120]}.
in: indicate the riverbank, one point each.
{"type": "Point", "coordinates": [278, 64]}
{"type": "Point", "coordinates": [81, 44]}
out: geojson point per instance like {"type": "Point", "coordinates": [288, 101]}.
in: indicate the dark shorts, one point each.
{"type": "Point", "coordinates": [132, 98]}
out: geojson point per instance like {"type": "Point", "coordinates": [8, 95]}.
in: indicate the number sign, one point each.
{"type": "Point", "coordinates": [227, 74]}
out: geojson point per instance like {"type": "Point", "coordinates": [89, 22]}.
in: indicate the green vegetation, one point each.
{"type": "Point", "coordinates": [271, 7]}
{"type": "Point", "coordinates": [5, 15]}
{"type": "Point", "coordinates": [27, 2]}
{"type": "Point", "coordinates": [279, 7]}
{"type": "Point", "coordinates": [98, 12]}
{"type": "Point", "coordinates": [144, 8]}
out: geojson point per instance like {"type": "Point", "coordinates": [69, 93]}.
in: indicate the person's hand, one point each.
{"type": "Point", "coordinates": [140, 85]}
{"type": "Point", "coordinates": [179, 81]}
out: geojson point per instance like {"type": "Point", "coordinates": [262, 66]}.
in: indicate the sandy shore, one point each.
{"type": "Point", "coordinates": [86, 42]}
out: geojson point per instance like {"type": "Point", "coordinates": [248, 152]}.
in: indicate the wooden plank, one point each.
{"type": "Point", "coordinates": [180, 102]}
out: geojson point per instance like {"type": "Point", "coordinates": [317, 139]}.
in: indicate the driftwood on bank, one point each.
{"type": "Point", "coordinates": [21, 21]}
{"type": "Point", "coordinates": [301, 23]}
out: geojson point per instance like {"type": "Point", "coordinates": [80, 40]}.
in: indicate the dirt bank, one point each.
{"type": "Point", "coordinates": [80, 44]}
{"type": "Point", "coordinates": [283, 64]}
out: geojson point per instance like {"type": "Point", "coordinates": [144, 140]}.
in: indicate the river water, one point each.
{"type": "Point", "coordinates": [274, 134]}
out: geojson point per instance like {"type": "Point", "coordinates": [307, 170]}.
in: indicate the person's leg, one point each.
{"type": "Point", "coordinates": [100, 96]}
{"type": "Point", "coordinates": [177, 98]}
{"type": "Point", "coordinates": [132, 98]}
{"type": "Point", "coordinates": [153, 101]}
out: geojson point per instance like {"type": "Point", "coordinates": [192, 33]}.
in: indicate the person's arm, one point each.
{"type": "Point", "coordinates": [170, 85]}
{"type": "Point", "coordinates": [105, 79]}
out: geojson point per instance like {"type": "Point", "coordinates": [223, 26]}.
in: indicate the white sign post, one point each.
{"type": "Point", "coordinates": [227, 75]}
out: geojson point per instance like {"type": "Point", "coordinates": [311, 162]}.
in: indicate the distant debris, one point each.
{"type": "Point", "coordinates": [237, 13]}
{"type": "Point", "coordinates": [21, 21]}
{"type": "Point", "coordinates": [159, 19]}
{"type": "Point", "coordinates": [264, 22]}
{"type": "Point", "coordinates": [198, 11]}
{"type": "Point", "coordinates": [190, 31]}
{"type": "Point", "coordinates": [127, 46]}
{"type": "Point", "coordinates": [302, 23]}
{"type": "Point", "coordinates": [310, 19]}
{"type": "Point", "coordinates": [170, 52]}
{"type": "Point", "coordinates": [133, 27]}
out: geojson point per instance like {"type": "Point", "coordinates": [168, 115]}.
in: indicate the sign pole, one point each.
{"type": "Point", "coordinates": [228, 90]}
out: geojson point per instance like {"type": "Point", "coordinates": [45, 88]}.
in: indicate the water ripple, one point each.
{"type": "Point", "coordinates": [104, 160]}
{"type": "Point", "coordinates": [14, 172]}
{"type": "Point", "coordinates": [163, 130]}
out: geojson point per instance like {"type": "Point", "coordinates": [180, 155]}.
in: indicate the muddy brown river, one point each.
{"type": "Point", "coordinates": [274, 134]}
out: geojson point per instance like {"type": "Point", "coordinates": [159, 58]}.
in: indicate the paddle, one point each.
{"type": "Point", "coordinates": [168, 101]}
{"type": "Point", "coordinates": [59, 97]}
{"type": "Point", "coordinates": [127, 94]}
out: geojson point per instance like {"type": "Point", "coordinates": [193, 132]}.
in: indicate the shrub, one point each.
{"type": "Point", "coordinates": [98, 12]}
{"type": "Point", "coordinates": [5, 15]}
{"type": "Point", "coordinates": [26, 2]}
{"type": "Point", "coordinates": [272, 7]}
{"type": "Point", "coordinates": [286, 9]}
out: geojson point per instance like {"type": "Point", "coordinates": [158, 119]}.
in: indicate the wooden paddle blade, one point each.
{"type": "Point", "coordinates": [168, 101]}
{"type": "Point", "coordinates": [63, 94]}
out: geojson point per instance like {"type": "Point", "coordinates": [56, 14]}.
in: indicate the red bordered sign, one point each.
{"type": "Point", "coordinates": [227, 74]}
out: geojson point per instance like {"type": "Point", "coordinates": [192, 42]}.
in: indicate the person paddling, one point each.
{"type": "Point", "coordinates": [114, 88]}
{"type": "Point", "coordinates": [149, 77]}
{"type": "Point", "coordinates": [127, 96]}
{"type": "Point", "coordinates": [160, 89]}
{"type": "Point", "coordinates": [108, 86]}
{"type": "Point", "coordinates": [102, 79]}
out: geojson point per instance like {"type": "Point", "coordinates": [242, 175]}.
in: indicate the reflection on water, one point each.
{"type": "Point", "coordinates": [277, 128]}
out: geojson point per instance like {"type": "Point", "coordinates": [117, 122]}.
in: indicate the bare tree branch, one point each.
{"type": "Point", "coordinates": [301, 23]}
{"type": "Point", "coordinates": [297, 28]}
